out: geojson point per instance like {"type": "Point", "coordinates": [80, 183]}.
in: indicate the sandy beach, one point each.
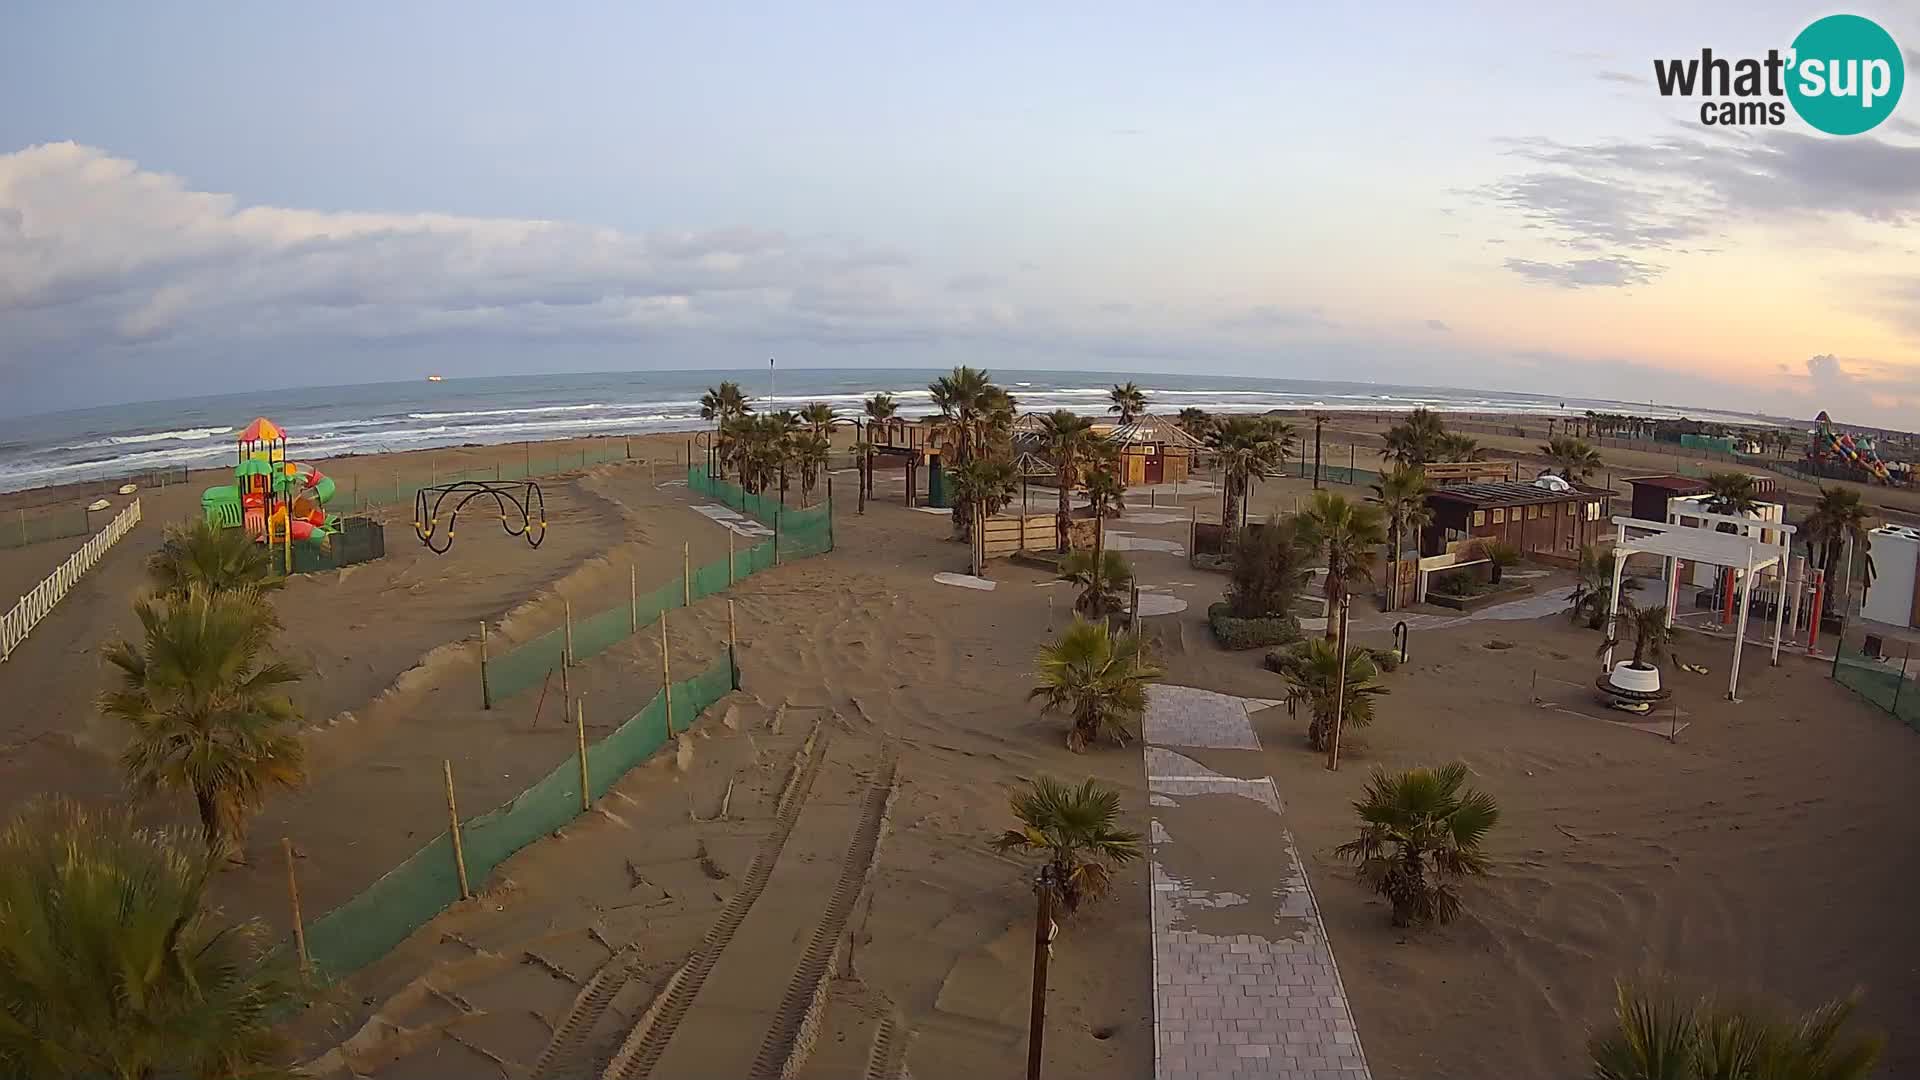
{"type": "Point", "coordinates": [826, 826]}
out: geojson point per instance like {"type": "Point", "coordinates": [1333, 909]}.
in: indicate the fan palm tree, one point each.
{"type": "Point", "coordinates": [113, 965]}
{"type": "Point", "coordinates": [882, 412]}
{"type": "Point", "coordinates": [1247, 449]}
{"type": "Point", "coordinates": [208, 708]}
{"type": "Point", "coordinates": [1419, 835]}
{"type": "Point", "coordinates": [1106, 495]}
{"type": "Point", "coordinates": [1417, 440]}
{"type": "Point", "coordinates": [1457, 447]}
{"type": "Point", "coordinates": [978, 416]}
{"type": "Point", "coordinates": [1078, 830]}
{"type": "Point", "coordinates": [722, 404]}
{"type": "Point", "coordinates": [1838, 516]}
{"type": "Point", "coordinates": [1129, 402]}
{"type": "Point", "coordinates": [1731, 493]}
{"type": "Point", "coordinates": [1573, 458]}
{"type": "Point", "coordinates": [1651, 635]}
{"type": "Point", "coordinates": [201, 553]}
{"type": "Point", "coordinates": [1065, 438]}
{"type": "Point", "coordinates": [810, 455]}
{"type": "Point", "coordinates": [1401, 496]}
{"type": "Point", "coordinates": [1594, 589]}
{"type": "Point", "coordinates": [1097, 678]}
{"type": "Point", "coordinates": [1099, 592]}
{"type": "Point", "coordinates": [1195, 422]}
{"type": "Point", "coordinates": [817, 416]}
{"type": "Point", "coordinates": [1347, 532]}
{"type": "Point", "coordinates": [988, 482]}
{"type": "Point", "coordinates": [1656, 1036]}
{"type": "Point", "coordinates": [1312, 671]}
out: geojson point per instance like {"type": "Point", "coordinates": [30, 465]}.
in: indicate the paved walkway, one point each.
{"type": "Point", "coordinates": [1244, 980]}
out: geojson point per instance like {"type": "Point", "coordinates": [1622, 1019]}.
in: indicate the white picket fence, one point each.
{"type": "Point", "coordinates": [15, 624]}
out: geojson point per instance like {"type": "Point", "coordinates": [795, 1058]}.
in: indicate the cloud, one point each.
{"type": "Point", "coordinates": [1612, 271]}
{"type": "Point", "coordinates": [1621, 77]}
{"type": "Point", "coordinates": [1437, 326]}
{"type": "Point", "coordinates": [1903, 125]}
{"type": "Point", "coordinates": [1275, 317]}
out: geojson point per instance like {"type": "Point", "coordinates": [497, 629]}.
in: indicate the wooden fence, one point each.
{"type": "Point", "coordinates": [15, 624]}
{"type": "Point", "coordinates": [1008, 533]}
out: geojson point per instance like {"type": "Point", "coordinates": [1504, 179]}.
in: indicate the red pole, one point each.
{"type": "Point", "coordinates": [1813, 621]}
{"type": "Point", "coordinates": [1726, 616]}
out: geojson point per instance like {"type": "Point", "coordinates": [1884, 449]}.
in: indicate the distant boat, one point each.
{"type": "Point", "coordinates": [433, 378]}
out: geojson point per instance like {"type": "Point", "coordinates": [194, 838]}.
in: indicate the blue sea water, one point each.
{"type": "Point", "coordinates": [330, 421]}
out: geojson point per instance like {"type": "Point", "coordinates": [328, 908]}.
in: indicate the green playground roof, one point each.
{"type": "Point", "coordinates": [251, 467]}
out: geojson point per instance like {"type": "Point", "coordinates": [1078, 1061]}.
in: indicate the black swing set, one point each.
{"type": "Point", "coordinates": [523, 510]}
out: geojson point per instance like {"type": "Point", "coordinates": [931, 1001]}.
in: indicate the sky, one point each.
{"type": "Point", "coordinates": [200, 198]}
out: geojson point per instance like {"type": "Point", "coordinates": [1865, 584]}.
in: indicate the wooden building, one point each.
{"type": "Point", "coordinates": [1651, 494]}
{"type": "Point", "coordinates": [1153, 450]}
{"type": "Point", "coordinates": [1551, 520]}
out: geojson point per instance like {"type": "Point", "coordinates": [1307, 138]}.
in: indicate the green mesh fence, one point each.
{"type": "Point", "coordinates": [715, 577]}
{"type": "Point", "coordinates": [526, 665]}
{"type": "Point", "coordinates": [25, 528]}
{"type": "Point", "coordinates": [366, 927]}
{"type": "Point", "coordinates": [363, 490]}
{"type": "Point", "coordinates": [1879, 677]}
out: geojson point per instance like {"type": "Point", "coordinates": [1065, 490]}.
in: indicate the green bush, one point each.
{"type": "Point", "coordinates": [1233, 632]}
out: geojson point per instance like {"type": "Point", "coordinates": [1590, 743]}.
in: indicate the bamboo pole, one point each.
{"type": "Point", "coordinates": [731, 578]}
{"type": "Point", "coordinates": [733, 656]}
{"type": "Point", "coordinates": [566, 607]}
{"type": "Point", "coordinates": [666, 672]}
{"type": "Point", "coordinates": [293, 895]}
{"type": "Point", "coordinates": [633, 599]}
{"type": "Point", "coordinates": [453, 829]}
{"type": "Point", "coordinates": [486, 692]}
{"type": "Point", "coordinates": [686, 573]}
{"type": "Point", "coordinates": [580, 728]}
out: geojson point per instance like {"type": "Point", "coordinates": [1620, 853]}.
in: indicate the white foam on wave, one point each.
{"type": "Point", "coordinates": [182, 435]}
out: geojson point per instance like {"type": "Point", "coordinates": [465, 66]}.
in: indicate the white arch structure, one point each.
{"type": "Point", "coordinates": [1743, 550]}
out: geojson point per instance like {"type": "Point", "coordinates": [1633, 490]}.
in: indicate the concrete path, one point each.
{"type": "Point", "coordinates": [1244, 980]}
{"type": "Point", "coordinates": [1524, 609]}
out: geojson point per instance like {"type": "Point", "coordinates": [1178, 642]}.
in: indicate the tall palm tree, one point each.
{"type": "Point", "coordinates": [979, 416]}
{"type": "Point", "coordinates": [1457, 447]}
{"type": "Point", "coordinates": [1097, 678]}
{"type": "Point", "coordinates": [1103, 581]}
{"type": "Point", "coordinates": [882, 412]}
{"type": "Point", "coordinates": [1417, 440]}
{"type": "Point", "coordinates": [1078, 830]}
{"type": "Point", "coordinates": [1065, 438]}
{"type": "Point", "coordinates": [1347, 532]}
{"type": "Point", "coordinates": [810, 455]}
{"type": "Point", "coordinates": [112, 964]}
{"type": "Point", "coordinates": [199, 552]}
{"type": "Point", "coordinates": [1594, 588]}
{"type": "Point", "coordinates": [1312, 671]}
{"type": "Point", "coordinates": [723, 404]}
{"type": "Point", "coordinates": [817, 416]}
{"type": "Point", "coordinates": [1195, 422]}
{"type": "Point", "coordinates": [1247, 449]}
{"type": "Point", "coordinates": [1573, 458]}
{"type": "Point", "coordinates": [1838, 516]}
{"type": "Point", "coordinates": [987, 482]}
{"type": "Point", "coordinates": [1106, 495]}
{"type": "Point", "coordinates": [1656, 1036]}
{"type": "Point", "coordinates": [208, 707]}
{"type": "Point", "coordinates": [1401, 496]}
{"type": "Point", "coordinates": [1129, 402]}
{"type": "Point", "coordinates": [1419, 835]}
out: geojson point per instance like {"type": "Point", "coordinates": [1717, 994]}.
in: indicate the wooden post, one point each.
{"type": "Point", "coordinates": [566, 608]}
{"type": "Point", "coordinates": [1042, 948]}
{"type": "Point", "coordinates": [733, 655]}
{"type": "Point", "coordinates": [666, 672]}
{"type": "Point", "coordinates": [486, 692]}
{"type": "Point", "coordinates": [1193, 533]}
{"type": "Point", "coordinates": [453, 829]}
{"type": "Point", "coordinates": [580, 728]}
{"type": "Point", "coordinates": [1340, 690]}
{"type": "Point", "coordinates": [633, 599]}
{"type": "Point", "coordinates": [293, 895]}
{"type": "Point", "coordinates": [566, 693]}
{"type": "Point", "coordinates": [686, 573]}
{"type": "Point", "coordinates": [732, 576]}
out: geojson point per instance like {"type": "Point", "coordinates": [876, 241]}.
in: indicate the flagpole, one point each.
{"type": "Point", "coordinates": [769, 381]}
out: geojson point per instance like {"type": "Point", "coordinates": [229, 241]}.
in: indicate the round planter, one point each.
{"type": "Point", "coordinates": [1635, 680]}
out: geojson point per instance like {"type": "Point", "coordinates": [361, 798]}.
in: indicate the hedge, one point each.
{"type": "Point", "coordinates": [1234, 632]}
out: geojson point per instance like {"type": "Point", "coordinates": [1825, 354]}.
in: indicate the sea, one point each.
{"type": "Point", "coordinates": [331, 421]}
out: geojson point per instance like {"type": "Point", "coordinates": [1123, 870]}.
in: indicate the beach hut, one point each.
{"type": "Point", "coordinates": [1545, 518]}
{"type": "Point", "coordinates": [1153, 449]}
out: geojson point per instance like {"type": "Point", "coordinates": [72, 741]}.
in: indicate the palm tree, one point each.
{"type": "Point", "coordinates": [1731, 493]}
{"type": "Point", "coordinates": [1347, 532]}
{"type": "Point", "coordinates": [817, 416]}
{"type": "Point", "coordinates": [113, 965]}
{"type": "Point", "coordinates": [1401, 496]}
{"type": "Point", "coordinates": [988, 482]}
{"type": "Point", "coordinates": [1417, 440]}
{"type": "Point", "coordinates": [1078, 830]}
{"type": "Point", "coordinates": [1097, 678]}
{"type": "Point", "coordinates": [1651, 635]}
{"type": "Point", "coordinates": [208, 708]}
{"type": "Point", "coordinates": [723, 404]}
{"type": "Point", "coordinates": [1657, 1036]}
{"type": "Point", "coordinates": [1312, 671]}
{"type": "Point", "coordinates": [1838, 516]}
{"type": "Point", "coordinates": [1574, 458]}
{"type": "Point", "coordinates": [1594, 589]}
{"type": "Point", "coordinates": [1419, 835]}
{"type": "Point", "coordinates": [810, 454]}
{"type": "Point", "coordinates": [1106, 495]}
{"type": "Point", "coordinates": [881, 411]}
{"type": "Point", "coordinates": [1248, 449]}
{"type": "Point", "coordinates": [1099, 592]}
{"type": "Point", "coordinates": [201, 553]}
{"type": "Point", "coordinates": [1064, 438]}
{"type": "Point", "coordinates": [1269, 568]}
{"type": "Point", "coordinates": [1457, 447]}
{"type": "Point", "coordinates": [978, 415]}
{"type": "Point", "coordinates": [1129, 402]}
{"type": "Point", "coordinates": [1195, 422]}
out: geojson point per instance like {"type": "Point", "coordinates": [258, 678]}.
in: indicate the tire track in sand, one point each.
{"type": "Point", "coordinates": [641, 1049]}
{"type": "Point", "coordinates": [790, 1037]}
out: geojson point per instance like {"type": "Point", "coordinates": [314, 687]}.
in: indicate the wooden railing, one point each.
{"type": "Point", "coordinates": [16, 624]}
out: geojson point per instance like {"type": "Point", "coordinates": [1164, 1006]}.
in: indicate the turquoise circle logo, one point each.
{"type": "Point", "coordinates": [1847, 74]}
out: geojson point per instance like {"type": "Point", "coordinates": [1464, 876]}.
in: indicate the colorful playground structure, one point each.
{"type": "Point", "coordinates": [1828, 445]}
{"type": "Point", "coordinates": [278, 502]}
